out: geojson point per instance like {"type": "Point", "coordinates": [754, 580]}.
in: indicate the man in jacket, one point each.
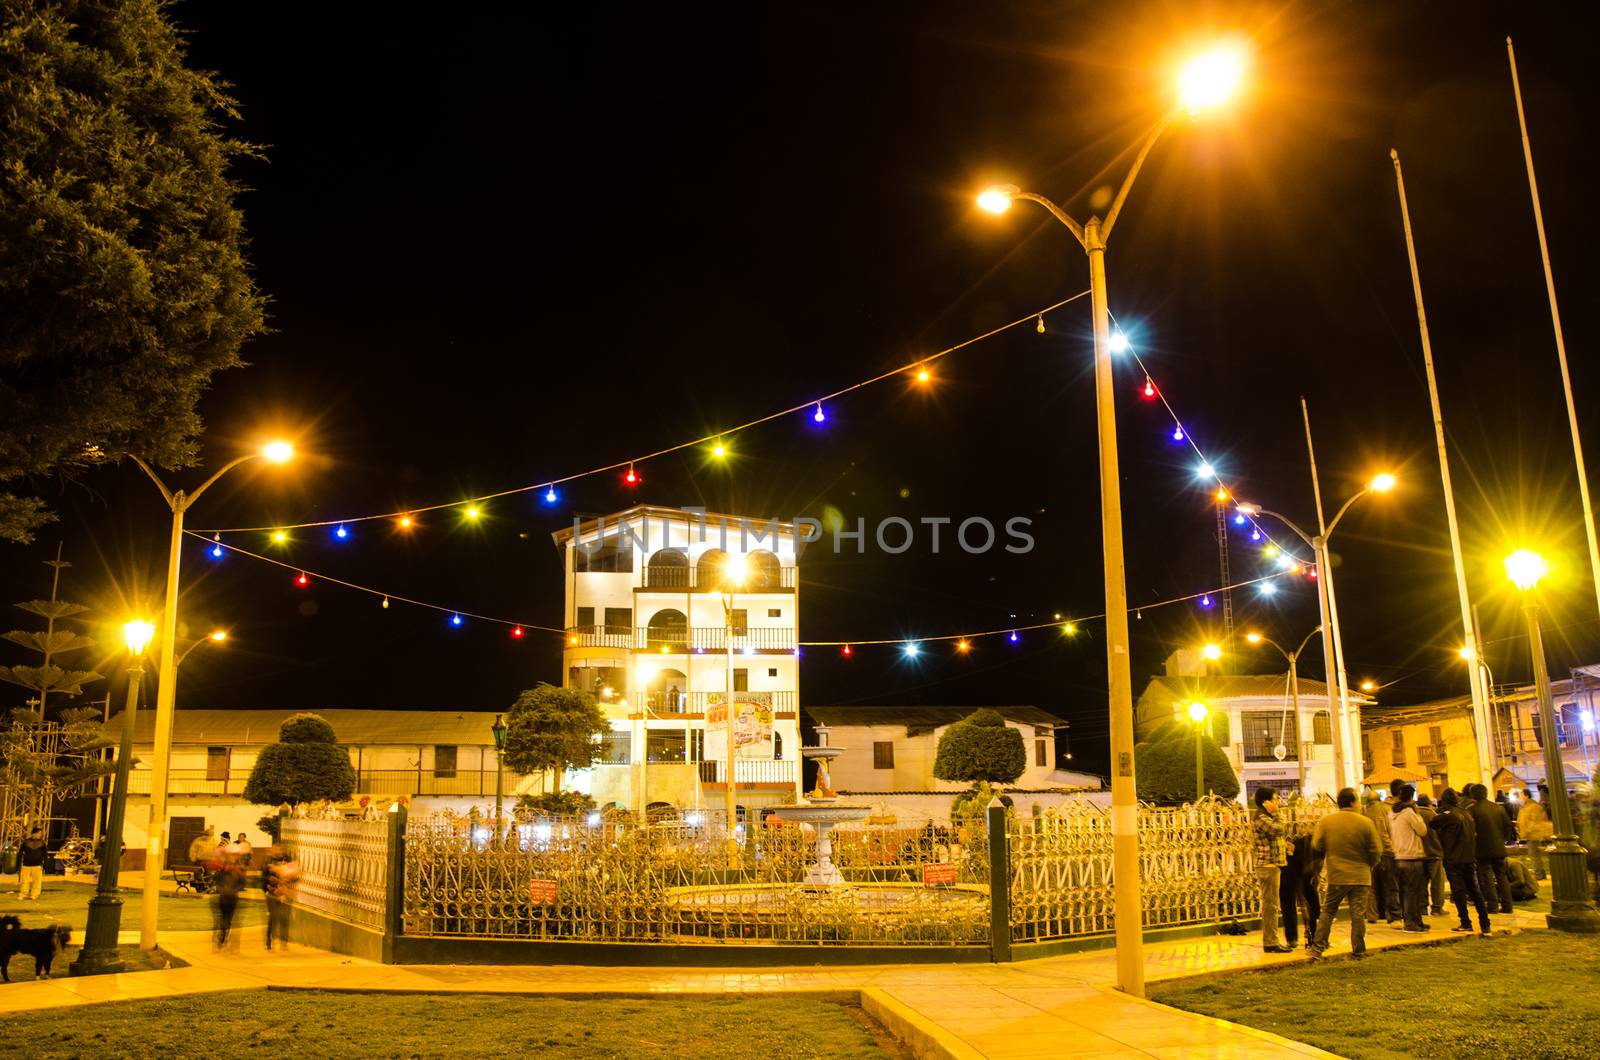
{"type": "Point", "coordinates": [1534, 825]}
{"type": "Point", "coordinates": [1348, 842]}
{"type": "Point", "coordinates": [30, 873]}
{"type": "Point", "coordinates": [1385, 901]}
{"type": "Point", "coordinates": [1407, 829]}
{"type": "Point", "coordinates": [1458, 839]}
{"type": "Point", "coordinates": [1433, 859]}
{"type": "Point", "coordinates": [1270, 859]}
{"type": "Point", "coordinates": [1297, 885]}
{"type": "Point", "coordinates": [1494, 831]}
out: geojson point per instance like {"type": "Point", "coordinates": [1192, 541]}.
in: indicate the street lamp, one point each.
{"type": "Point", "coordinates": [1211, 652]}
{"type": "Point", "coordinates": [499, 730]}
{"type": "Point", "coordinates": [275, 452]}
{"type": "Point", "coordinates": [1206, 82]}
{"type": "Point", "coordinates": [1293, 659]}
{"type": "Point", "coordinates": [216, 636]}
{"type": "Point", "coordinates": [1332, 647]}
{"type": "Point", "coordinates": [1570, 906]}
{"type": "Point", "coordinates": [99, 953]}
{"type": "Point", "coordinates": [1198, 712]}
{"type": "Point", "coordinates": [734, 571]}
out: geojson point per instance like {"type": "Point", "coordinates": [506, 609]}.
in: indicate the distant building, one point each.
{"type": "Point", "coordinates": [647, 622]}
{"type": "Point", "coordinates": [1437, 739]}
{"type": "Point", "coordinates": [1252, 718]}
{"type": "Point", "coordinates": [889, 753]}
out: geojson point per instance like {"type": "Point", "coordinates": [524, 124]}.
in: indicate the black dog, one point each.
{"type": "Point", "coordinates": [41, 943]}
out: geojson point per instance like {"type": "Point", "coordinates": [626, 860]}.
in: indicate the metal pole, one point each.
{"type": "Point", "coordinates": [1299, 733]}
{"type": "Point", "coordinates": [1199, 762]}
{"type": "Point", "coordinates": [1480, 713]}
{"type": "Point", "coordinates": [731, 805]}
{"type": "Point", "coordinates": [1319, 546]}
{"type": "Point", "coordinates": [1570, 907]}
{"type": "Point", "coordinates": [1561, 342]}
{"type": "Point", "coordinates": [99, 953]}
{"type": "Point", "coordinates": [1129, 913]}
{"type": "Point", "coordinates": [166, 695]}
{"type": "Point", "coordinates": [1352, 722]}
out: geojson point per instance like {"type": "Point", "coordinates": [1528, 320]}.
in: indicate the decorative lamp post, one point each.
{"type": "Point", "coordinates": [1293, 658]}
{"type": "Point", "coordinates": [734, 570]}
{"type": "Point", "coordinates": [1570, 906]}
{"type": "Point", "coordinates": [167, 679]}
{"type": "Point", "coordinates": [1198, 713]}
{"type": "Point", "coordinates": [499, 730]}
{"type": "Point", "coordinates": [1205, 83]}
{"type": "Point", "coordinates": [99, 953]}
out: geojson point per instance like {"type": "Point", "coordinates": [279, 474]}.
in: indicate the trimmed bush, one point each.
{"type": "Point", "coordinates": [981, 747]}
{"type": "Point", "coordinates": [305, 765]}
{"type": "Point", "coordinates": [1164, 766]}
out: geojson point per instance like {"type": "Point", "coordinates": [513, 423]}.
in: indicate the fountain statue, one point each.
{"type": "Point", "coordinates": [822, 811]}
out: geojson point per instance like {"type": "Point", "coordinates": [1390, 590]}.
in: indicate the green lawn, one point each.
{"type": "Point", "coordinates": [1536, 994]}
{"type": "Point", "coordinates": [68, 903]}
{"type": "Point", "coordinates": [280, 1023]}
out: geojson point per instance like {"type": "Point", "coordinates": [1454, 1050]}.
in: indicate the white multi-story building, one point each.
{"type": "Point", "coordinates": [660, 633]}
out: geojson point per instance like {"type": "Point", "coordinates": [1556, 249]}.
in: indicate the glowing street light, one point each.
{"type": "Point", "coordinates": [1212, 652]}
{"type": "Point", "coordinates": [1570, 906]}
{"type": "Point", "coordinates": [1381, 483]}
{"type": "Point", "coordinates": [1198, 712]}
{"type": "Point", "coordinates": [1211, 79]}
{"type": "Point", "coordinates": [1293, 659]}
{"type": "Point", "coordinates": [278, 452]}
{"type": "Point", "coordinates": [997, 199]}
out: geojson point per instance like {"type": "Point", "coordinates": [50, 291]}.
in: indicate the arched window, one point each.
{"type": "Point", "coordinates": [666, 691]}
{"type": "Point", "coordinates": [668, 569]}
{"type": "Point", "coordinates": [765, 571]}
{"type": "Point", "coordinates": [708, 571]}
{"type": "Point", "coordinates": [668, 630]}
{"type": "Point", "coordinates": [1321, 728]}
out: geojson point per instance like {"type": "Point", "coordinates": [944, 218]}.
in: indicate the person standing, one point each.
{"type": "Point", "coordinates": [1384, 903]}
{"type": "Point", "coordinates": [1534, 824]}
{"type": "Point", "coordinates": [1458, 839]}
{"type": "Point", "coordinates": [30, 867]}
{"type": "Point", "coordinates": [279, 879]}
{"type": "Point", "coordinates": [1348, 842]}
{"type": "Point", "coordinates": [1297, 886]}
{"type": "Point", "coordinates": [1268, 831]}
{"type": "Point", "coordinates": [1493, 830]}
{"type": "Point", "coordinates": [1407, 829]}
{"type": "Point", "coordinates": [1433, 858]}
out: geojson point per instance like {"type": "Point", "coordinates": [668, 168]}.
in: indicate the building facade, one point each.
{"type": "Point", "coordinates": [668, 614]}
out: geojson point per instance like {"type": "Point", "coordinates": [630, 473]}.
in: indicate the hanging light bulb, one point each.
{"type": "Point", "coordinates": [845, 651]}
{"type": "Point", "coordinates": [279, 537]}
{"type": "Point", "coordinates": [1118, 342]}
{"type": "Point", "coordinates": [472, 511]}
{"type": "Point", "coordinates": [1040, 327]}
{"type": "Point", "coordinates": [818, 416]}
{"type": "Point", "coordinates": [632, 476]}
{"type": "Point", "coordinates": [719, 450]}
{"type": "Point", "coordinates": [216, 546]}
{"type": "Point", "coordinates": [1205, 601]}
{"type": "Point", "coordinates": [1238, 519]}
{"type": "Point", "coordinates": [911, 649]}
{"type": "Point", "coordinates": [1255, 535]}
{"type": "Point", "coordinates": [1177, 434]}
{"type": "Point", "coordinates": [341, 532]}
{"type": "Point", "coordinates": [923, 375]}
{"type": "Point", "coordinates": [516, 633]}
{"type": "Point", "coordinates": [1015, 637]}
{"type": "Point", "coordinates": [302, 579]}
{"type": "Point", "coordinates": [963, 646]}
{"type": "Point", "coordinates": [1149, 390]}
{"type": "Point", "coordinates": [550, 494]}
{"type": "Point", "coordinates": [405, 522]}
{"type": "Point", "coordinates": [386, 603]}
{"type": "Point", "coordinates": [455, 620]}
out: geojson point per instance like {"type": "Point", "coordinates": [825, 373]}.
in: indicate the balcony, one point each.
{"type": "Point", "coordinates": [368, 782]}
{"type": "Point", "coordinates": [749, 771]}
{"type": "Point", "coordinates": [662, 578]}
{"type": "Point", "coordinates": [189, 782]}
{"type": "Point", "coordinates": [680, 640]}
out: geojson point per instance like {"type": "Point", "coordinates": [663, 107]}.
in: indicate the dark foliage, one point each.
{"type": "Point", "coordinates": [980, 747]}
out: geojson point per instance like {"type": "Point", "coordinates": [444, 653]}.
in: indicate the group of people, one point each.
{"type": "Point", "coordinates": [1388, 861]}
{"type": "Point", "coordinates": [226, 862]}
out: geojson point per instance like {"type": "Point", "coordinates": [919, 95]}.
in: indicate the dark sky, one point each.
{"type": "Point", "coordinates": [502, 249]}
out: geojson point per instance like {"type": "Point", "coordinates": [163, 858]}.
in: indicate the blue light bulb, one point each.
{"type": "Point", "coordinates": [455, 620]}
{"type": "Point", "coordinates": [550, 495]}
{"type": "Point", "coordinates": [1014, 638]}
{"type": "Point", "coordinates": [1255, 535]}
{"type": "Point", "coordinates": [1238, 520]}
{"type": "Point", "coordinates": [1177, 434]}
{"type": "Point", "coordinates": [341, 533]}
{"type": "Point", "coordinates": [216, 551]}
{"type": "Point", "coordinates": [819, 416]}
{"type": "Point", "coordinates": [1205, 601]}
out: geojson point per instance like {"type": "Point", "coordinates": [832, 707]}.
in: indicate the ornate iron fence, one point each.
{"type": "Point", "coordinates": [1196, 863]}
{"type": "Point", "coordinates": [344, 867]}
{"type": "Point", "coordinates": [588, 879]}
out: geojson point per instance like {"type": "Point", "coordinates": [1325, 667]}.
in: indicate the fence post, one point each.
{"type": "Point", "coordinates": [999, 884]}
{"type": "Point", "coordinates": [394, 905]}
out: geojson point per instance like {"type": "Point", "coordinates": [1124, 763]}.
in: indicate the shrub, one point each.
{"type": "Point", "coordinates": [305, 765]}
{"type": "Point", "coordinates": [556, 803]}
{"type": "Point", "coordinates": [1164, 766]}
{"type": "Point", "coordinates": [981, 747]}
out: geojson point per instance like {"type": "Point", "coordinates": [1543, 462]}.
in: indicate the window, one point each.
{"type": "Point", "coordinates": [1569, 728]}
{"type": "Point", "coordinates": [777, 746]}
{"type": "Point", "coordinates": [217, 762]}
{"type": "Point", "coordinates": [1264, 730]}
{"type": "Point", "coordinates": [444, 760]}
{"type": "Point", "coordinates": [882, 754]}
{"type": "Point", "coordinates": [774, 612]}
{"type": "Point", "coordinates": [1435, 735]}
{"type": "Point", "coordinates": [666, 746]}
{"type": "Point", "coordinates": [585, 618]}
{"type": "Point", "coordinates": [1366, 752]}
{"type": "Point", "coordinates": [1321, 728]}
{"type": "Point", "coordinates": [1428, 754]}
{"type": "Point", "coordinates": [741, 622]}
{"type": "Point", "coordinates": [615, 748]}
{"type": "Point", "coordinates": [619, 620]}
{"type": "Point", "coordinates": [772, 671]}
{"type": "Point", "coordinates": [1041, 752]}
{"type": "Point", "coordinates": [741, 680]}
{"type": "Point", "coordinates": [668, 569]}
{"type": "Point", "coordinates": [1397, 747]}
{"type": "Point", "coordinates": [610, 556]}
{"type": "Point", "coordinates": [697, 745]}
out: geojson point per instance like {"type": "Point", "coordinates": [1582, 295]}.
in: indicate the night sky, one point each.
{"type": "Point", "coordinates": [502, 249]}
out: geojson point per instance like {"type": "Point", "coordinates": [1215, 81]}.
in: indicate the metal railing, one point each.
{"type": "Point", "coordinates": [749, 771]}
{"type": "Point", "coordinates": [681, 640]}
{"type": "Point", "coordinates": [344, 868]}
{"type": "Point", "coordinates": [697, 702]}
{"type": "Point", "coordinates": [192, 782]}
{"type": "Point", "coordinates": [673, 578]}
{"type": "Point", "coordinates": [426, 782]}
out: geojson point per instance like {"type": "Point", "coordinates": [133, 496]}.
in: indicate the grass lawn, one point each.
{"type": "Point", "coordinates": [68, 903]}
{"type": "Point", "coordinates": [1533, 994]}
{"type": "Point", "coordinates": [307, 1023]}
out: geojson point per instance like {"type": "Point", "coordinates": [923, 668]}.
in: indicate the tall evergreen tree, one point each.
{"type": "Point", "coordinates": [123, 282]}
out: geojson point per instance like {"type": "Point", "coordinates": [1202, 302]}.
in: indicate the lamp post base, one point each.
{"type": "Point", "coordinates": [99, 953]}
{"type": "Point", "coordinates": [1570, 907]}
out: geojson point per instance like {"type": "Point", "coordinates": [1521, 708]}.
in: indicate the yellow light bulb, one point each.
{"type": "Point", "coordinates": [1253, 638]}
{"type": "Point", "coordinates": [962, 645]}
{"type": "Point", "coordinates": [1465, 653]}
{"type": "Point", "coordinates": [997, 199]}
{"type": "Point", "coordinates": [279, 452]}
{"type": "Point", "coordinates": [719, 450]}
{"type": "Point", "coordinates": [1198, 711]}
{"type": "Point", "coordinates": [1212, 651]}
{"type": "Point", "coordinates": [1525, 567]}
{"type": "Point", "coordinates": [1381, 483]}
{"type": "Point", "coordinates": [279, 537]}
{"type": "Point", "coordinates": [1070, 629]}
{"type": "Point", "coordinates": [923, 375]}
{"type": "Point", "coordinates": [137, 634]}
{"type": "Point", "coordinates": [472, 512]}
{"type": "Point", "coordinates": [1368, 686]}
{"type": "Point", "coordinates": [1211, 79]}
{"type": "Point", "coordinates": [219, 635]}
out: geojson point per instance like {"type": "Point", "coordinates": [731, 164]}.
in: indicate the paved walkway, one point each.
{"type": "Point", "coordinates": [1041, 1008]}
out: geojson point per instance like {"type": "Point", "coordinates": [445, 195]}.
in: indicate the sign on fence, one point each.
{"type": "Point", "coordinates": [543, 892]}
{"type": "Point", "coordinates": [941, 874]}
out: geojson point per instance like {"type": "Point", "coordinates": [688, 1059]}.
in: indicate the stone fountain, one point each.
{"type": "Point", "coordinates": [822, 811]}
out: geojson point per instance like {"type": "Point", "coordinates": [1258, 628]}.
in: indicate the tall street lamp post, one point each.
{"type": "Point", "coordinates": [1570, 906]}
{"type": "Point", "coordinates": [499, 730]}
{"type": "Point", "coordinates": [99, 953]}
{"type": "Point", "coordinates": [1198, 713]}
{"type": "Point", "coordinates": [734, 570]}
{"type": "Point", "coordinates": [1293, 659]}
{"type": "Point", "coordinates": [1204, 84]}
{"type": "Point", "coordinates": [1338, 703]}
{"type": "Point", "coordinates": [166, 681]}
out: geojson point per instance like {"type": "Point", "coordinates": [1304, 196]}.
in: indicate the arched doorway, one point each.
{"type": "Point", "coordinates": [765, 571]}
{"type": "Point", "coordinates": [709, 571]}
{"type": "Point", "coordinates": [668, 569]}
{"type": "Point", "coordinates": [668, 631]}
{"type": "Point", "coordinates": [667, 692]}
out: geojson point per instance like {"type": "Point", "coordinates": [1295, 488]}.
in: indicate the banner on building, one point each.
{"type": "Point", "coordinates": [752, 726]}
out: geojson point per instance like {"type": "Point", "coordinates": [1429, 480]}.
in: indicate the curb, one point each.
{"type": "Point", "coordinates": [922, 1036]}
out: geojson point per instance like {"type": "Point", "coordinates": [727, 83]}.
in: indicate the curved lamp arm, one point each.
{"type": "Point", "coordinates": [1290, 523]}
{"type": "Point", "coordinates": [1344, 509]}
{"type": "Point", "coordinates": [1055, 211]}
{"type": "Point", "coordinates": [1127, 182]}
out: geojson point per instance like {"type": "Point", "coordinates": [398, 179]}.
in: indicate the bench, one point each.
{"type": "Point", "coordinates": [190, 878]}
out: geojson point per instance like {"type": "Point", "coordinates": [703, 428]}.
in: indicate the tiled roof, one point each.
{"type": "Point", "coordinates": [1231, 686]}
{"type": "Point", "coordinates": [925, 718]}
{"type": "Point", "coordinates": [352, 727]}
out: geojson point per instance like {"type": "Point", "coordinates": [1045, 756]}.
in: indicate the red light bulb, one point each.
{"type": "Point", "coordinates": [516, 632]}
{"type": "Point", "coordinates": [302, 580]}
{"type": "Point", "coordinates": [846, 650]}
{"type": "Point", "coordinates": [632, 477]}
{"type": "Point", "coordinates": [1149, 388]}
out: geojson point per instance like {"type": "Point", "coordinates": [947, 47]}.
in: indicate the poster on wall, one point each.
{"type": "Point", "coordinates": [752, 727]}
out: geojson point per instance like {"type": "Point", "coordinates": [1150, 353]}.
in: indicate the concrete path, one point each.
{"type": "Point", "coordinates": [1042, 1008]}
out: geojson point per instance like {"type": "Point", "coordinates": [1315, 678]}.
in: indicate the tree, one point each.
{"type": "Point", "coordinates": [305, 765]}
{"type": "Point", "coordinates": [123, 282]}
{"type": "Point", "coordinates": [48, 677]}
{"type": "Point", "coordinates": [1164, 766]}
{"type": "Point", "coordinates": [555, 729]}
{"type": "Point", "coordinates": [981, 747]}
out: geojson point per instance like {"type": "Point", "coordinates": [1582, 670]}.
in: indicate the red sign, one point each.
{"type": "Point", "coordinates": [543, 892]}
{"type": "Point", "coordinates": [942, 874]}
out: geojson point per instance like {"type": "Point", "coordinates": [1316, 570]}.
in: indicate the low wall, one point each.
{"type": "Point", "coordinates": [917, 809]}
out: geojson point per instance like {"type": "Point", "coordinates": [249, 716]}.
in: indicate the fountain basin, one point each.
{"type": "Point", "coordinates": [822, 815]}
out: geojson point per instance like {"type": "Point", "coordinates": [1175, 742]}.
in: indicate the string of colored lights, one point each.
{"type": "Point", "coordinates": [814, 405]}
{"type": "Point", "coordinates": [304, 577]}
